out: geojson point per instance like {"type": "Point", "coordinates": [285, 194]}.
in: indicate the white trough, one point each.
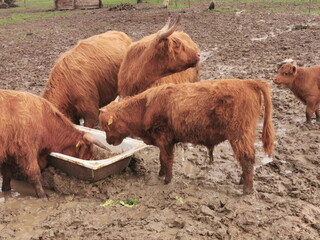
{"type": "Point", "coordinates": [94, 170]}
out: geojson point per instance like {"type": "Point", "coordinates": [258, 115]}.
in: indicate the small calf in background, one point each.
{"type": "Point", "coordinates": [304, 82]}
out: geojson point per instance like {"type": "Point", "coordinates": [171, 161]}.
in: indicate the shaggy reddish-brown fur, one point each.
{"type": "Point", "coordinates": [207, 113]}
{"type": "Point", "coordinates": [30, 129]}
{"type": "Point", "coordinates": [151, 62]}
{"type": "Point", "coordinates": [85, 77]}
{"type": "Point", "coordinates": [304, 82]}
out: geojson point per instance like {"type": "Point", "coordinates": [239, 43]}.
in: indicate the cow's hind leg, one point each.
{"type": "Point", "coordinates": [311, 108]}
{"type": "Point", "coordinates": [6, 171]}
{"type": "Point", "coordinates": [317, 112]}
{"type": "Point", "coordinates": [245, 153]}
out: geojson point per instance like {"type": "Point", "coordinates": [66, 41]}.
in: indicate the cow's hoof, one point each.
{"type": "Point", "coordinates": [161, 173]}
{"type": "Point", "coordinates": [248, 191]}
{"type": "Point", "coordinates": [241, 180]}
{"type": "Point", "coordinates": [166, 181]}
{"type": "Point", "coordinates": [42, 195]}
{"type": "Point", "coordinates": [6, 188]}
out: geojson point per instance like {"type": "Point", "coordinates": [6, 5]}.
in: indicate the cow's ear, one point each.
{"type": "Point", "coordinates": [102, 110]}
{"type": "Point", "coordinates": [294, 69]}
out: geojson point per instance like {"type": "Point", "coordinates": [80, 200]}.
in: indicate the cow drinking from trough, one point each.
{"type": "Point", "coordinates": [30, 129]}
{"type": "Point", "coordinates": [207, 113]}
{"type": "Point", "coordinates": [168, 56]}
{"type": "Point", "coordinates": [304, 82]}
{"type": "Point", "coordinates": [86, 77]}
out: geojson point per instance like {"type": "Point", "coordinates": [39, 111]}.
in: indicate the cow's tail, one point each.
{"type": "Point", "coordinates": [267, 131]}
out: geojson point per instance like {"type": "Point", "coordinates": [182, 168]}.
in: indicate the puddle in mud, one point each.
{"type": "Point", "coordinates": [189, 169]}
{"type": "Point", "coordinates": [259, 38]}
{"type": "Point", "coordinates": [205, 55]}
{"type": "Point", "coordinates": [20, 189]}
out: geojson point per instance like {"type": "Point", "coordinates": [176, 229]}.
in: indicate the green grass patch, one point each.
{"type": "Point", "coordinates": [34, 4]}
{"type": "Point", "coordinates": [22, 17]}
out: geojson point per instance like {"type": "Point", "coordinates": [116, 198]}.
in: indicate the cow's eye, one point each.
{"type": "Point", "coordinates": [285, 74]}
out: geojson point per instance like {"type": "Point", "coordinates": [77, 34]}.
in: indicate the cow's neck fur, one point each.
{"type": "Point", "coordinates": [63, 133]}
{"type": "Point", "coordinates": [132, 114]}
{"type": "Point", "coordinates": [137, 75]}
{"type": "Point", "coordinates": [56, 96]}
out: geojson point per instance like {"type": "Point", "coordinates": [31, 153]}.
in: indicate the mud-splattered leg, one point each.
{"type": "Point", "coordinates": [317, 112]}
{"type": "Point", "coordinates": [166, 161]}
{"type": "Point", "coordinates": [6, 172]}
{"type": "Point", "coordinates": [31, 169]}
{"type": "Point", "coordinates": [210, 152]}
{"type": "Point", "coordinates": [245, 152]}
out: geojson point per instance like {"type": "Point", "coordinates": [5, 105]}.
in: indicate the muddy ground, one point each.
{"type": "Point", "coordinates": [204, 201]}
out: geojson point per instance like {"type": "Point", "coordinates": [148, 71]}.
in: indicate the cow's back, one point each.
{"type": "Point", "coordinates": [89, 69]}
{"type": "Point", "coordinates": [207, 111]}
{"type": "Point", "coordinates": [21, 120]}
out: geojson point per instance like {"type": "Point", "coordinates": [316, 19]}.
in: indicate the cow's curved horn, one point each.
{"type": "Point", "coordinates": [118, 99]}
{"type": "Point", "coordinates": [90, 138]}
{"type": "Point", "coordinates": [102, 110]}
{"type": "Point", "coordinates": [279, 65]}
{"type": "Point", "coordinates": [166, 27]}
{"type": "Point", "coordinates": [294, 63]}
{"type": "Point", "coordinates": [163, 34]}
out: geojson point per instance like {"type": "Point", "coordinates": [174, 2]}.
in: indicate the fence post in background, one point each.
{"type": "Point", "coordinates": [309, 6]}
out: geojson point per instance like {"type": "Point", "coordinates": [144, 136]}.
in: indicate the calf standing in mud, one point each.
{"type": "Point", "coordinates": [303, 82]}
{"type": "Point", "coordinates": [207, 113]}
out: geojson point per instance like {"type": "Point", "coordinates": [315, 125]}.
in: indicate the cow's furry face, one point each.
{"type": "Point", "coordinates": [180, 56]}
{"type": "Point", "coordinates": [286, 74]}
{"type": "Point", "coordinates": [82, 149]}
{"type": "Point", "coordinates": [115, 129]}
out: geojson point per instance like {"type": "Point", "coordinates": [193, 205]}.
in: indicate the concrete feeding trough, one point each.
{"type": "Point", "coordinates": [94, 170]}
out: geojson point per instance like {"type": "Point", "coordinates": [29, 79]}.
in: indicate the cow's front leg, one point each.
{"type": "Point", "coordinates": [166, 162]}
{"type": "Point", "coordinates": [6, 172]}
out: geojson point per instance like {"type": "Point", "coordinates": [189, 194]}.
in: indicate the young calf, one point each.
{"type": "Point", "coordinates": [30, 129]}
{"type": "Point", "coordinates": [207, 113]}
{"type": "Point", "coordinates": [304, 82]}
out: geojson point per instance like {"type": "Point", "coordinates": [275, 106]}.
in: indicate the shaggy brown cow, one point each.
{"type": "Point", "coordinates": [167, 56]}
{"type": "Point", "coordinates": [303, 82]}
{"type": "Point", "coordinates": [30, 129]}
{"type": "Point", "coordinates": [85, 77]}
{"type": "Point", "coordinates": [207, 113]}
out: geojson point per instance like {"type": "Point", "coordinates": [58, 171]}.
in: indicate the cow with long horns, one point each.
{"type": "Point", "coordinates": [168, 56]}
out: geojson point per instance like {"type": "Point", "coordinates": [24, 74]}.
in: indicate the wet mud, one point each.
{"type": "Point", "coordinates": [204, 201]}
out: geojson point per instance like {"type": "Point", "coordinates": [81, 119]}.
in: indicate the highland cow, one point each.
{"type": "Point", "coordinates": [167, 56]}
{"type": "Point", "coordinates": [85, 77]}
{"type": "Point", "coordinates": [206, 113]}
{"type": "Point", "coordinates": [30, 129]}
{"type": "Point", "coordinates": [304, 82]}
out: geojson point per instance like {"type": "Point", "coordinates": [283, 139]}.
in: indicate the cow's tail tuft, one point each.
{"type": "Point", "coordinates": [267, 131]}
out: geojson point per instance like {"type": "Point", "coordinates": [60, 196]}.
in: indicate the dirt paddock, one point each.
{"type": "Point", "coordinates": [203, 201]}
